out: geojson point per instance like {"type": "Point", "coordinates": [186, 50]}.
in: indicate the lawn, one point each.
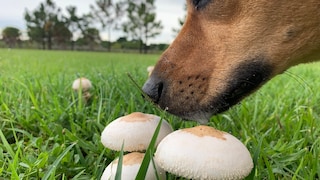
{"type": "Point", "coordinates": [46, 133]}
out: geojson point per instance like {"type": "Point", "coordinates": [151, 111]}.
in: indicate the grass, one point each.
{"type": "Point", "coordinates": [45, 133]}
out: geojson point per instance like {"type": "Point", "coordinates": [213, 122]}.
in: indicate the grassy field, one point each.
{"type": "Point", "coordinates": [45, 133]}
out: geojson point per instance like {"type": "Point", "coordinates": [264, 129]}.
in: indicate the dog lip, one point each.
{"type": "Point", "coordinates": [246, 78]}
{"type": "Point", "coordinates": [246, 86]}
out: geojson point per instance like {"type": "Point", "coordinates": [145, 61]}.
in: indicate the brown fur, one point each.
{"type": "Point", "coordinates": [216, 40]}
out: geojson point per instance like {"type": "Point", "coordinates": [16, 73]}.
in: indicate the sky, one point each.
{"type": "Point", "coordinates": [168, 11]}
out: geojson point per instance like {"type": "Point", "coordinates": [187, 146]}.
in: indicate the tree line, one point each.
{"type": "Point", "coordinates": [49, 28]}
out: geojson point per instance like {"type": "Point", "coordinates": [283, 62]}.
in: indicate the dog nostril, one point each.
{"type": "Point", "coordinates": [160, 89]}
{"type": "Point", "coordinates": [153, 89]}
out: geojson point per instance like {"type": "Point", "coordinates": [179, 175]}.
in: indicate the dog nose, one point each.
{"type": "Point", "coordinates": [153, 88]}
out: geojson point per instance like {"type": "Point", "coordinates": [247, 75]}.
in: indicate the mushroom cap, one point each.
{"type": "Point", "coordinates": [150, 69]}
{"type": "Point", "coordinates": [135, 131]}
{"type": "Point", "coordinates": [130, 167]}
{"type": "Point", "coordinates": [203, 152]}
{"type": "Point", "coordinates": [81, 83]}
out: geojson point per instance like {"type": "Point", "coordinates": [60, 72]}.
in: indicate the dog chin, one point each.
{"type": "Point", "coordinates": [201, 117]}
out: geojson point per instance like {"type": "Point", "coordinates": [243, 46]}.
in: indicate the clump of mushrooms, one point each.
{"type": "Point", "coordinates": [133, 132]}
{"type": "Point", "coordinates": [84, 85]}
{"type": "Point", "coordinates": [203, 152]}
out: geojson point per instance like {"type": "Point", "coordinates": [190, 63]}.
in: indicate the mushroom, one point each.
{"type": "Point", "coordinates": [81, 83]}
{"type": "Point", "coordinates": [130, 166]}
{"type": "Point", "coordinates": [150, 69]}
{"type": "Point", "coordinates": [84, 85]}
{"type": "Point", "coordinates": [203, 152]}
{"type": "Point", "coordinates": [135, 131]}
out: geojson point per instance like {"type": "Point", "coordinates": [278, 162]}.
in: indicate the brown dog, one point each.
{"type": "Point", "coordinates": [228, 48]}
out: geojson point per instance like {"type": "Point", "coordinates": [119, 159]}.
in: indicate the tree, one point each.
{"type": "Point", "coordinates": [92, 37]}
{"type": "Point", "coordinates": [40, 23]}
{"type": "Point", "coordinates": [11, 36]}
{"type": "Point", "coordinates": [108, 15]}
{"type": "Point", "coordinates": [61, 35]}
{"type": "Point", "coordinates": [142, 23]}
{"type": "Point", "coordinates": [89, 34]}
{"type": "Point", "coordinates": [181, 22]}
{"type": "Point", "coordinates": [73, 22]}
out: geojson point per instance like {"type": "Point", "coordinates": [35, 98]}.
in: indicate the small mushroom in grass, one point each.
{"type": "Point", "coordinates": [203, 152]}
{"type": "Point", "coordinates": [150, 69]}
{"type": "Point", "coordinates": [135, 131]}
{"type": "Point", "coordinates": [84, 85]}
{"type": "Point", "coordinates": [130, 166]}
{"type": "Point", "coordinates": [81, 83]}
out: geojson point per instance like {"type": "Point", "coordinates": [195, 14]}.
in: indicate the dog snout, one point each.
{"type": "Point", "coordinates": [153, 88]}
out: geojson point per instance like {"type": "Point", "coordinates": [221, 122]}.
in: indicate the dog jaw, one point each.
{"type": "Point", "coordinates": [228, 49]}
{"type": "Point", "coordinates": [189, 98]}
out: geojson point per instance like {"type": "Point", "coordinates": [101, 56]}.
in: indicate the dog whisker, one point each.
{"type": "Point", "coordinates": [300, 80]}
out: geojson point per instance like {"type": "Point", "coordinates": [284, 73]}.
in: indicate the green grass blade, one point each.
{"type": "Point", "coordinates": [14, 165]}
{"type": "Point", "coordinates": [119, 166]}
{"type": "Point", "coordinates": [149, 153]}
{"type": "Point", "coordinates": [6, 144]}
{"type": "Point", "coordinates": [255, 160]}
{"type": "Point", "coordinates": [269, 168]}
{"type": "Point", "coordinates": [56, 162]}
{"type": "Point", "coordinates": [154, 167]}
{"type": "Point", "coordinates": [80, 142]}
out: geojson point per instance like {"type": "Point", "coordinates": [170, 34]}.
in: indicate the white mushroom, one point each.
{"type": "Point", "coordinates": [134, 130]}
{"type": "Point", "coordinates": [84, 85]}
{"type": "Point", "coordinates": [203, 152]}
{"type": "Point", "coordinates": [150, 69]}
{"type": "Point", "coordinates": [130, 167]}
{"type": "Point", "coordinates": [81, 83]}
